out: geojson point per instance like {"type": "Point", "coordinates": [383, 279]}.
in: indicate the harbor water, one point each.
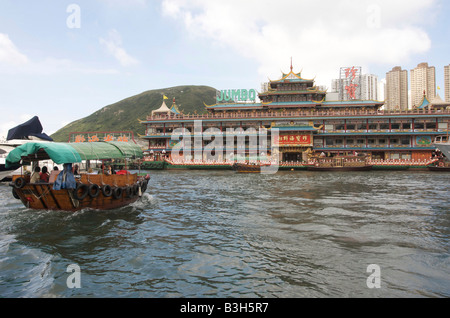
{"type": "Point", "coordinates": [219, 234]}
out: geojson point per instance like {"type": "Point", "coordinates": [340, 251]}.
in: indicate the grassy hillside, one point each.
{"type": "Point", "coordinates": [124, 115]}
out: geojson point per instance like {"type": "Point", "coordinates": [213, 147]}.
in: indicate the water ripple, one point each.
{"type": "Point", "coordinates": [221, 234]}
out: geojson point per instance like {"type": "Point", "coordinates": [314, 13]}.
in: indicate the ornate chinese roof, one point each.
{"type": "Point", "coordinates": [292, 77]}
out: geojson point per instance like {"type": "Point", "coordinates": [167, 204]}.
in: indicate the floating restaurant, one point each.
{"type": "Point", "coordinates": [307, 125]}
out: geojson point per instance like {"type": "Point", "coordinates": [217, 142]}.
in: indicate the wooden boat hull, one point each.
{"type": "Point", "coordinates": [246, 168]}
{"type": "Point", "coordinates": [87, 195]}
{"type": "Point", "coordinates": [363, 168]}
{"type": "Point", "coordinates": [441, 169]}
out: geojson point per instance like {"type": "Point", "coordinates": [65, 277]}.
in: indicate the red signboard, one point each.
{"type": "Point", "coordinates": [295, 140]}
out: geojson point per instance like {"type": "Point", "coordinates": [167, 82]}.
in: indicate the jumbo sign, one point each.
{"type": "Point", "coordinates": [236, 95]}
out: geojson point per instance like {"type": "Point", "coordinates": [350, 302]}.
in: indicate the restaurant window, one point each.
{"type": "Point", "coordinates": [395, 126]}
{"type": "Point", "coordinates": [431, 125]}
{"type": "Point", "coordinates": [373, 126]}
{"type": "Point", "coordinates": [351, 126]}
{"type": "Point", "coordinates": [405, 141]}
{"type": "Point", "coordinates": [406, 126]}
{"type": "Point", "coordinates": [384, 126]}
{"type": "Point", "coordinates": [419, 125]}
{"type": "Point", "coordinates": [362, 126]}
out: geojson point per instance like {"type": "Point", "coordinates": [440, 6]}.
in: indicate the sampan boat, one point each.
{"type": "Point", "coordinates": [248, 167]}
{"type": "Point", "coordinates": [71, 192]}
{"type": "Point", "coordinates": [341, 163]}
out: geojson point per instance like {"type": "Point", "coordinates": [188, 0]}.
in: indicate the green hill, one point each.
{"type": "Point", "coordinates": [125, 115]}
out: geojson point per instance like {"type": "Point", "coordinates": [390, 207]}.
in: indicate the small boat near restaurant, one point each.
{"type": "Point", "coordinates": [73, 190]}
{"type": "Point", "coordinates": [341, 163]}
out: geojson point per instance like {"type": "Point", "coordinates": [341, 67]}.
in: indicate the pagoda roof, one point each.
{"type": "Point", "coordinates": [166, 110]}
{"type": "Point", "coordinates": [437, 101]}
{"type": "Point", "coordinates": [292, 77]}
{"type": "Point", "coordinates": [424, 103]}
{"type": "Point", "coordinates": [174, 109]}
{"type": "Point", "coordinates": [310, 90]}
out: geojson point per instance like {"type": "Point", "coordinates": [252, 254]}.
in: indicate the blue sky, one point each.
{"type": "Point", "coordinates": [63, 64]}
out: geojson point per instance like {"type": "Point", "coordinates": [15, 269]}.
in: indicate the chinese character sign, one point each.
{"type": "Point", "coordinates": [351, 90]}
{"type": "Point", "coordinates": [101, 136]}
{"type": "Point", "coordinates": [295, 140]}
{"type": "Point", "coordinates": [351, 76]}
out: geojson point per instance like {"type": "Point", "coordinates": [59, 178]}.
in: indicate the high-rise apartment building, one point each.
{"type": "Point", "coordinates": [396, 94]}
{"type": "Point", "coordinates": [423, 81]}
{"type": "Point", "coordinates": [447, 83]}
{"type": "Point", "coordinates": [369, 87]}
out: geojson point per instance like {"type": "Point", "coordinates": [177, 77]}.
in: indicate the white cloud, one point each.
{"type": "Point", "coordinates": [14, 62]}
{"type": "Point", "coordinates": [113, 45]}
{"type": "Point", "coordinates": [320, 36]}
{"type": "Point", "coordinates": [9, 54]}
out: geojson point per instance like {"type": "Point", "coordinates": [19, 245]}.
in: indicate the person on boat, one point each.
{"type": "Point", "coordinates": [91, 171]}
{"type": "Point", "coordinates": [44, 175]}
{"type": "Point", "coordinates": [110, 171]}
{"type": "Point", "coordinates": [36, 175]}
{"type": "Point", "coordinates": [75, 170]}
{"type": "Point", "coordinates": [65, 179]}
{"type": "Point", "coordinates": [53, 175]}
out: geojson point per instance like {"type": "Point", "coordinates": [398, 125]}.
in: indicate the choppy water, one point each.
{"type": "Point", "coordinates": [221, 234]}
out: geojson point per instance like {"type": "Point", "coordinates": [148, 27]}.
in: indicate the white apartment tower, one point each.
{"type": "Point", "coordinates": [369, 87]}
{"type": "Point", "coordinates": [423, 81]}
{"type": "Point", "coordinates": [396, 89]}
{"type": "Point", "coordinates": [447, 83]}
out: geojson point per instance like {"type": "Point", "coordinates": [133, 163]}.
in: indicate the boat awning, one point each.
{"type": "Point", "coordinates": [107, 150]}
{"type": "Point", "coordinates": [61, 153]}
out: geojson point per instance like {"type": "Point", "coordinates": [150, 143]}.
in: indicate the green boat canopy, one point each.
{"type": "Point", "coordinates": [61, 153]}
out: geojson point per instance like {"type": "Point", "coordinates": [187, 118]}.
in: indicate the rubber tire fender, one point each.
{"type": "Point", "coordinates": [107, 190]}
{"type": "Point", "coordinates": [94, 190]}
{"type": "Point", "coordinates": [15, 195]}
{"type": "Point", "coordinates": [84, 193]}
{"type": "Point", "coordinates": [117, 193]}
{"type": "Point", "coordinates": [19, 183]}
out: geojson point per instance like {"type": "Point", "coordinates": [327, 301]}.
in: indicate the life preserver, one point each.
{"type": "Point", "coordinates": [84, 191]}
{"type": "Point", "coordinates": [441, 164]}
{"type": "Point", "coordinates": [19, 183]}
{"type": "Point", "coordinates": [107, 190]}
{"type": "Point", "coordinates": [94, 190]}
{"type": "Point", "coordinates": [117, 193]}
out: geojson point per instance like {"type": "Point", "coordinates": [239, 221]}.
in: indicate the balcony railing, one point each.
{"type": "Point", "coordinates": [296, 114]}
